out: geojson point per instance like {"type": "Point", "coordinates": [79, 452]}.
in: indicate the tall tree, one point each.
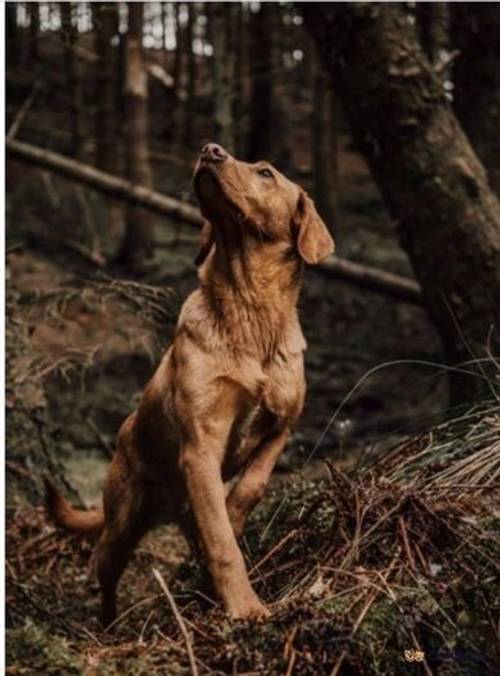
{"type": "Point", "coordinates": [324, 147]}
{"type": "Point", "coordinates": [179, 50]}
{"type": "Point", "coordinates": [430, 178]}
{"type": "Point", "coordinates": [476, 96]}
{"type": "Point", "coordinates": [433, 25]}
{"type": "Point", "coordinates": [73, 79]}
{"type": "Point", "coordinates": [12, 33]}
{"type": "Point", "coordinates": [105, 15]}
{"type": "Point", "coordinates": [268, 132]}
{"type": "Point", "coordinates": [187, 134]}
{"type": "Point", "coordinates": [33, 33]}
{"type": "Point", "coordinates": [138, 242]}
{"type": "Point", "coordinates": [223, 63]}
{"type": "Point", "coordinates": [260, 138]}
{"type": "Point", "coordinates": [237, 48]}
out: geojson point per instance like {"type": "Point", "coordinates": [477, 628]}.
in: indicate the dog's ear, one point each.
{"type": "Point", "coordinates": [206, 241]}
{"type": "Point", "coordinates": [314, 242]}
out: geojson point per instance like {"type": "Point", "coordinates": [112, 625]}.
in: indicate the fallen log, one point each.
{"type": "Point", "coordinates": [368, 277]}
{"type": "Point", "coordinates": [372, 279]}
{"type": "Point", "coordinates": [114, 186]}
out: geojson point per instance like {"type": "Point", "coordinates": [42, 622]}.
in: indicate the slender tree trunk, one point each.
{"type": "Point", "coordinates": [433, 25]}
{"type": "Point", "coordinates": [106, 26]}
{"type": "Point", "coordinates": [260, 139]}
{"type": "Point", "coordinates": [179, 49]}
{"type": "Point", "coordinates": [138, 242]}
{"type": "Point", "coordinates": [476, 33]}
{"type": "Point", "coordinates": [13, 44]}
{"type": "Point", "coordinates": [237, 47]}
{"type": "Point", "coordinates": [165, 20]}
{"type": "Point", "coordinates": [107, 140]}
{"type": "Point", "coordinates": [223, 75]}
{"type": "Point", "coordinates": [431, 180]}
{"type": "Point", "coordinates": [187, 135]}
{"type": "Point", "coordinates": [269, 123]}
{"type": "Point", "coordinates": [324, 148]}
{"type": "Point", "coordinates": [34, 30]}
{"type": "Point", "coordinates": [73, 79]}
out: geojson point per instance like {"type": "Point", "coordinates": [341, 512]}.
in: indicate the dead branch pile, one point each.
{"type": "Point", "coordinates": [364, 573]}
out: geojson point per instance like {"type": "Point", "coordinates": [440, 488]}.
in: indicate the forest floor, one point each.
{"type": "Point", "coordinates": [51, 599]}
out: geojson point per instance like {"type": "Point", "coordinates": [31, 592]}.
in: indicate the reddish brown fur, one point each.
{"type": "Point", "coordinates": [226, 393]}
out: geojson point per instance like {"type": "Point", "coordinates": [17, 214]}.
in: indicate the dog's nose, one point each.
{"type": "Point", "coordinates": [211, 152]}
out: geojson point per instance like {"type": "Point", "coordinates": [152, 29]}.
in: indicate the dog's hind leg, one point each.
{"type": "Point", "coordinates": [114, 550]}
{"type": "Point", "coordinates": [126, 521]}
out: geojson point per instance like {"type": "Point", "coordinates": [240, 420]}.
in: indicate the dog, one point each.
{"type": "Point", "coordinates": [228, 391]}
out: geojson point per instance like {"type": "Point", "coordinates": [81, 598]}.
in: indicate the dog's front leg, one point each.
{"type": "Point", "coordinates": [250, 487]}
{"type": "Point", "coordinates": [202, 472]}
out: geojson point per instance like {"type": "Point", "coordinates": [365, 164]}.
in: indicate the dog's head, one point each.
{"type": "Point", "coordinates": [254, 201]}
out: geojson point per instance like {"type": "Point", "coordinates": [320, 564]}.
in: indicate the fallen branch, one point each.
{"type": "Point", "coordinates": [103, 182]}
{"type": "Point", "coordinates": [371, 278]}
{"type": "Point", "coordinates": [179, 620]}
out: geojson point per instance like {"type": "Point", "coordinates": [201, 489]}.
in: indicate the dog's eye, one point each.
{"type": "Point", "coordinates": [266, 173]}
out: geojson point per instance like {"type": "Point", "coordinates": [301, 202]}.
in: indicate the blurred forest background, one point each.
{"type": "Point", "coordinates": [388, 115]}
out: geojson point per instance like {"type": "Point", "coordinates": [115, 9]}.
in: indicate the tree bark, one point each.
{"type": "Point", "coordinates": [12, 35]}
{"type": "Point", "coordinates": [34, 30]}
{"type": "Point", "coordinates": [237, 47]}
{"type": "Point", "coordinates": [476, 34]}
{"type": "Point", "coordinates": [431, 181]}
{"type": "Point", "coordinates": [223, 63]}
{"type": "Point", "coordinates": [179, 51]}
{"type": "Point", "coordinates": [187, 134]}
{"type": "Point", "coordinates": [138, 242]}
{"type": "Point", "coordinates": [106, 27]}
{"type": "Point", "coordinates": [433, 20]}
{"type": "Point", "coordinates": [324, 148]}
{"type": "Point", "coordinates": [73, 80]}
{"type": "Point", "coordinates": [260, 140]}
{"type": "Point", "coordinates": [107, 142]}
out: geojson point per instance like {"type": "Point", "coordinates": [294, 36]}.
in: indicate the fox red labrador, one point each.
{"type": "Point", "coordinates": [228, 391]}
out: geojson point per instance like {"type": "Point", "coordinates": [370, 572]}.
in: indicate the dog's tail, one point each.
{"type": "Point", "coordinates": [62, 512]}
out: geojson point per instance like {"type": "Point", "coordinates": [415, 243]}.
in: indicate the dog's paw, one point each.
{"type": "Point", "coordinates": [250, 610]}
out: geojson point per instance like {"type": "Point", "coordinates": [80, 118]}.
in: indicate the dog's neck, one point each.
{"type": "Point", "coordinates": [253, 290]}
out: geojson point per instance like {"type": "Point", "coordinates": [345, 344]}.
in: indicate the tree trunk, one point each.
{"type": "Point", "coordinates": [260, 140]}
{"type": "Point", "coordinates": [431, 180]}
{"type": "Point", "coordinates": [433, 25]}
{"type": "Point", "coordinates": [237, 48]}
{"type": "Point", "coordinates": [179, 49]}
{"type": "Point", "coordinates": [187, 135]}
{"type": "Point", "coordinates": [12, 34]}
{"type": "Point", "coordinates": [107, 141]}
{"type": "Point", "coordinates": [138, 242]}
{"type": "Point", "coordinates": [223, 63]}
{"type": "Point", "coordinates": [476, 33]}
{"type": "Point", "coordinates": [324, 148]}
{"type": "Point", "coordinates": [34, 30]}
{"type": "Point", "coordinates": [73, 80]}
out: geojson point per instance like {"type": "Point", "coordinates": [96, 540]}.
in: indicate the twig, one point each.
{"type": "Point", "coordinates": [357, 624]}
{"type": "Point", "coordinates": [180, 621]}
{"type": "Point", "coordinates": [406, 543]}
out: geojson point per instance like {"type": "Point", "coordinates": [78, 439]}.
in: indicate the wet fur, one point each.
{"type": "Point", "coordinates": [226, 394]}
